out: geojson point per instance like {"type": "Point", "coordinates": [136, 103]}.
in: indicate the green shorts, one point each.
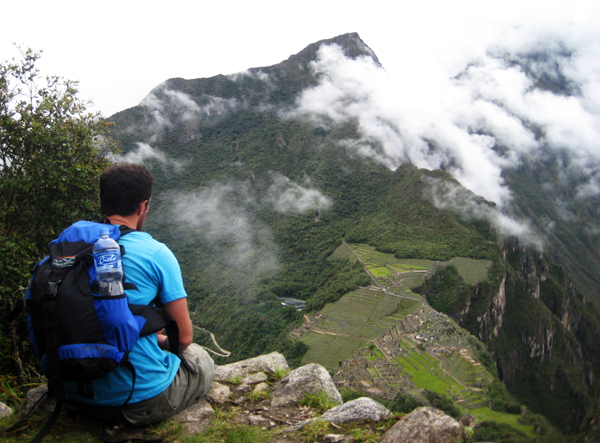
{"type": "Point", "coordinates": [192, 382]}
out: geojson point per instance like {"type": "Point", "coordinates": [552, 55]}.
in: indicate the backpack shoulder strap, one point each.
{"type": "Point", "coordinates": [158, 319]}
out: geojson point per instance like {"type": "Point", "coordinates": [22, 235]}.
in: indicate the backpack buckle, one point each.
{"type": "Point", "coordinates": [51, 289]}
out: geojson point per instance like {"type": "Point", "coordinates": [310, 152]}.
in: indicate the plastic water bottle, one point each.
{"type": "Point", "coordinates": [107, 261]}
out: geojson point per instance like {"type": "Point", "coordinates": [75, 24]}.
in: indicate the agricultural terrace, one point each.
{"type": "Point", "coordinates": [387, 270]}
{"type": "Point", "coordinates": [364, 336]}
{"type": "Point", "coordinates": [454, 375]}
{"type": "Point", "coordinates": [471, 270]}
{"type": "Point", "coordinates": [359, 317]}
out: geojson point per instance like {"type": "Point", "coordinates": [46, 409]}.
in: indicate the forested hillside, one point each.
{"type": "Point", "coordinates": [254, 193]}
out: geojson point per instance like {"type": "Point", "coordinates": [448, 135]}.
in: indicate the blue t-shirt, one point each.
{"type": "Point", "coordinates": [153, 268]}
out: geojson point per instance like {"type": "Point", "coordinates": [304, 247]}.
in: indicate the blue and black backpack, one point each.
{"type": "Point", "coordinates": [78, 334]}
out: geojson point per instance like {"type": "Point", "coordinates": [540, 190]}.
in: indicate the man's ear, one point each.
{"type": "Point", "coordinates": [142, 207]}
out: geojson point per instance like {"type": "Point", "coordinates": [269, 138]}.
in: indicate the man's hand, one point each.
{"type": "Point", "coordinates": [178, 309]}
{"type": "Point", "coordinates": [163, 341]}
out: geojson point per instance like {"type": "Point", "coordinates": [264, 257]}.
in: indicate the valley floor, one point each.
{"type": "Point", "coordinates": [385, 339]}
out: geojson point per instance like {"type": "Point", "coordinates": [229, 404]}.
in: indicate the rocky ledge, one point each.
{"type": "Point", "coordinates": [294, 405]}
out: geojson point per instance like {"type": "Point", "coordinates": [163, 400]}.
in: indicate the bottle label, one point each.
{"type": "Point", "coordinates": [107, 259]}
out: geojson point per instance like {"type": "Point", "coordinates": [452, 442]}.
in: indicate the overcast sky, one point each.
{"type": "Point", "coordinates": [120, 50]}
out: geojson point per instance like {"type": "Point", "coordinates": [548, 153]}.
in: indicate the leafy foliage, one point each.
{"type": "Point", "coordinates": [403, 403]}
{"type": "Point", "coordinates": [447, 292]}
{"type": "Point", "coordinates": [50, 149]}
{"type": "Point", "coordinates": [441, 402]}
{"type": "Point", "coordinates": [500, 399]}
{"type": "Point", "coordinates": [498, 432]}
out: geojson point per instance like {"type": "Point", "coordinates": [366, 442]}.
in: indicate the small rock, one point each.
{"type": "Point", "coordinates": [466, 419]}
{"type": "Point", "coordinates": [195, 412]}
{"type": "Point", "coordinates": [219, 393]}
{"type": "Point", "coordinates": [5, 410]}
{"type": "Point", "coordinates": [257, 420]}
{"type": "Point", "coordinates": [261, 387]}
{"type": "Point", "coordinates": [253, 379]}
{"type": "Point", "coordinates": [243, 389]}
{"type": "Point", "coordinates": [333, 438]}
{"type": "Point", "coordinates": [34, 395]}
{"type": "Point", "coordinates": [195, 417]}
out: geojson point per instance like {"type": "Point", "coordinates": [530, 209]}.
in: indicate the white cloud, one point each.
{"type": "Point", "coordinates": [290, 197]}
{"type": "Point", "coordinates": [166, 107]}
{"type": "Point", "coordinates": [477, 124]}
{"type": "Point", "coordinates": [143, 153]}
{"type": "Point", "coordinates": [222, 215]}
{"type": "Point", "coordinates": [446, 195]}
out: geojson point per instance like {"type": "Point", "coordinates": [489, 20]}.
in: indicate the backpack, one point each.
{"type": "Point", "coordinates": [78, 334]}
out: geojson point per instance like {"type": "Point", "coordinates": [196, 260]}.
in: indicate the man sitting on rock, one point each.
{"type": "Point", "coordinates": [164, 384]}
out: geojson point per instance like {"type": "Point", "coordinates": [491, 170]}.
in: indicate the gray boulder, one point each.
{"type": "Point", "coordinates": [269, 364]}
{"type": "Point", "coordinates": [195, 418]}
{"type": "Point", "coordinates": [309, 379]}
{"type": "Point", "coordinates": [38, 396]}
{"type": "Point", "coordinates": [362, 408]}
{"type": "Point", "coordinates": [425, 425]}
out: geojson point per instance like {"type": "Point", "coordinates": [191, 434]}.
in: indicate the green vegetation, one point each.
{"type": "Point", "coordinates": [500, 399]}
{"type": "Point", "coordinates": [223, 429]}
{"type": "Point", "coordinates": [403, 403]}
{"type": "Point", "coordinates": [447, 292]}
{"type": "Point", "coordinates": [442, 403]}
{"type": "Point", "coordinates": [52, 156]}
{"type": "Point", "coordinates": [472, 271]}
{"type": "Point", "coordinates": [498, 432]}
{"type": "Point", "coordinates": [318, 401]}
{"type": "Point", "coordinates": [239, 250]}
{"type": "Point", "coordinates": [536, 186]}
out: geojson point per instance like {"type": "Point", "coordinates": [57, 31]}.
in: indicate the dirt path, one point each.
{"type": "Point", "coordinates": [341, 334]}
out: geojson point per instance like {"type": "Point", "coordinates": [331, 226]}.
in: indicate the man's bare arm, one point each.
{"type": "Point", "coordinates": [178, 309]}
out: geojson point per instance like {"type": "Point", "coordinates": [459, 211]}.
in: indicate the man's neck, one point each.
{"type": "Point", "coordinates": [130, 221]}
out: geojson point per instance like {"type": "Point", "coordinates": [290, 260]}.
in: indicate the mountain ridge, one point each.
{"type": "Point", "coordinates": [295, 188]}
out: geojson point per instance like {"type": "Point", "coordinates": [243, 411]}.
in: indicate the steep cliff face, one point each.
{"type": "Point", "coordinates": [540, 330]}
{"type": "Point", "coordinates": [490, 322]}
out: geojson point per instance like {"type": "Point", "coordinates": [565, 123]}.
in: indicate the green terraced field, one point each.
{"type": "Point", "coordinates": [454, 375]}
{"type": "Point", "coordinates": [343, 253]}
{"type": "Point", "coordinates": [485, 413]}
{"type": "Point", "coordinates": [362, 315]}
{"type": "Point", "coordinates": [464, 370]}
{"type": "Point", "coordinates": [328, 350]}
{"type": "Point", "coordinates": [358, 317]}
{"type": "Point", "coordinates": [380, 271]}
{"type": "Point", "coordinates": [423, 378]}
{"type": "Point", "coordinates": [472, 271]}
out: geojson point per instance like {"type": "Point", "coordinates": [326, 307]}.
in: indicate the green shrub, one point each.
{"type": "Point", "coordinates": [403, 403]}
{"type": "Point", "coordinates": [499, 433]}
{"type": "Point", "coordinates": [441, 402]}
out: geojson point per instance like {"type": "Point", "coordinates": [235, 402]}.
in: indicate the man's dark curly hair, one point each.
{"type": "Point", "coordinates": [123, 187]}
